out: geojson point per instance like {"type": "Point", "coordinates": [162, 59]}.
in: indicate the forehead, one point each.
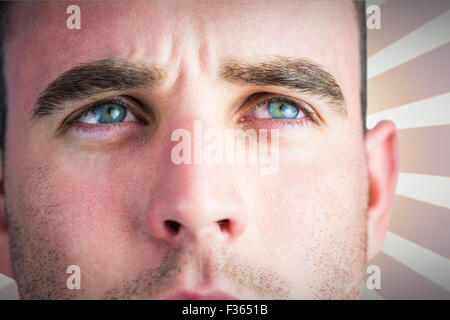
{"type": "Point", "coordinates": [194, 33]}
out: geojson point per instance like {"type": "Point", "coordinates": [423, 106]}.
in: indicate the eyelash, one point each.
{"type": "Point", "coordinates": [77, 115]}
{"type": "Point", "coordinates": [310, 115]}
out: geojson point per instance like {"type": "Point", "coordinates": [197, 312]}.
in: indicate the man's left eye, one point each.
{"type": "Point", "coordinates": [282, 110]}
{"type": "Point", "coordinates": [278, 108]}
{"type": "Point", "coordinates": [106, 113]}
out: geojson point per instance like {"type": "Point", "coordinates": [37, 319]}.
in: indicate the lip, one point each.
{"type": "Point", "coordinates": [190, 295]}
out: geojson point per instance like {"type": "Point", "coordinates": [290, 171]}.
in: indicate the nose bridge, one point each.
{"type": "Point", "coordinates": [193, 53]}
{"type": "Point", "coordinates": [191, 201]}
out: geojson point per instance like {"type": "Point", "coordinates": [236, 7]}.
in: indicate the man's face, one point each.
{"type": "Point", "coordinates": [109, 198]}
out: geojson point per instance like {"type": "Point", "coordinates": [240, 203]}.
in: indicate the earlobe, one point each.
{"type": "Point", "coordinates": [5, 259]}
{"type": "Point", "coordinates": [382, 161]}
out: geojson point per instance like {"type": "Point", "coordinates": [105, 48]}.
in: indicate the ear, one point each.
{"type": "Point", "coordinates": [382, 159]}
{"type": "Point", "coordinates": [5, 259]}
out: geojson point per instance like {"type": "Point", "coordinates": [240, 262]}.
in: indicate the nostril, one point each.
{"type": "Point", "coordinates": [172, 226]}
{"type": "Point", "coordinates": [224, 224]}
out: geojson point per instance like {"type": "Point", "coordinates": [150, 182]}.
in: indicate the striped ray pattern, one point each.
{"type": "Point", "coordinates": [409, 84]}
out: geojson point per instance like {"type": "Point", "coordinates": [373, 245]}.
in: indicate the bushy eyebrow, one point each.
{"type": "Point", "coordinates": [298, 74]}
{"type": "Point", "coordinates": [112, 75]}
{"type": "Point", "coordinates": [94, 78]}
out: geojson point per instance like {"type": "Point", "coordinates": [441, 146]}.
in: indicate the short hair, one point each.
{"type": "Point", "coordinates": [5, 7]}
{"type": "Point", "coordinates": [361, 15]}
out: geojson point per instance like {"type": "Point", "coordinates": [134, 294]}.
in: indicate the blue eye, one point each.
{"type": "Point", "coordinates": [282, 110]}
{"type": "Point", "coordinates": [105, 113]}
{"type": "Point", "coordinates": [110, 113]}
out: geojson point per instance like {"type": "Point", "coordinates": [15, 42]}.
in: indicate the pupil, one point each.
{"type": "Point", "coordinates": [282, 107]}
{"type": "Point", "coordinates": [113, 112]}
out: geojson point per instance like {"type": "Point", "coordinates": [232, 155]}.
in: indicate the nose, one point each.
{"type": "Point", "coordinates": [195, 203]}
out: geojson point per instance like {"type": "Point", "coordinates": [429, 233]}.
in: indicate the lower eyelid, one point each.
{"type": "Point", "coordinates": [277, 123]}
{"type": "Point", "coordinates": [102, 131]}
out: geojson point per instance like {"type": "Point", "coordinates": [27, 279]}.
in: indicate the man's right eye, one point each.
{"type": "Point", "coordinates": [107, 113]}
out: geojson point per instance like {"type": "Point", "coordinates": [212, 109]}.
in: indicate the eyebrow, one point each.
{"type": "Point", "coordinates": [94, 78]}
{"type": "Point", "coordinates": [108, 75]}
{"type": "Point", "coordinates": [301, 75]}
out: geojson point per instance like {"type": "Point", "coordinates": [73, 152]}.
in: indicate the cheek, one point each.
{"type": "Point", "coordinates": [88, 207]}
{"type": "Point", "coordinates": [308, 202]}
{"type": "Point", "coordinates": [315, 206]}
{"type": "Point", "coordinates": [104, 199]}
{"type": "Point", "coordinates": [317, 182]}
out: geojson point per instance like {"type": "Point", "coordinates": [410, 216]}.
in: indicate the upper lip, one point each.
{"type": "Point", "coordinates": [191, 295]}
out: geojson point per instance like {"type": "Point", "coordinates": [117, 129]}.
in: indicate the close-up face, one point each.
{"type": "Point", "coordinates": [104, 159]}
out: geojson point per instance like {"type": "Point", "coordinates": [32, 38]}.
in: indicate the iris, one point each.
{"type": "Point", "coordinates": [282, 110]}
{"type": "Point", "coordinates": [109, 113]}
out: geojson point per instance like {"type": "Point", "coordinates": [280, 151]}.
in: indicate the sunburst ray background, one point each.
{"type": "Point", "coordinates": [408, 83]}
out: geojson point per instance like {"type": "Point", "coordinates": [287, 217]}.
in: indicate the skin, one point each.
{"type": "Point", "coordinates": [100, 202]}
